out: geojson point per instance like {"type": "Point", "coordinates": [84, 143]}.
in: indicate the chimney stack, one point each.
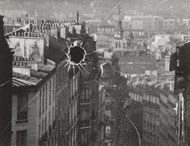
{"type": "Point", "coordinates": [1, 26]}
{"type": "Point", "coordinates": [77, 17]}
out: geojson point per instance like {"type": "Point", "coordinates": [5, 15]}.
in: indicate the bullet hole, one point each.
{"type": "Point", "coordinates": [76, 57]}
{"type": "Point", "coordinates": [76, 54]}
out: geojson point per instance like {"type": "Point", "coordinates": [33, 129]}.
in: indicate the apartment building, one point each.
{"type": "Point", "coordinates": [33, 102]}
{"type": "Point", "coordinates": [155, 109]}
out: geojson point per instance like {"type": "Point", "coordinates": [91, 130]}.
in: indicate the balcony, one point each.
{"type": "Point", "coordinates": [84, 123]}
{"type": "Point", "coordinates": [85, 100]}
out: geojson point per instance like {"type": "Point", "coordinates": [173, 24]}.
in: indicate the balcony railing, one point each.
{"type": "Point", "coordinates": [84, 123]}
{"type": "Point", "coordinates": [87, 100]}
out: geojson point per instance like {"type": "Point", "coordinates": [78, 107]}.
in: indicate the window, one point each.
{"type": "Point", "coordinates": [39, 130]}
{"type": "Point", "coordinates": [52, 87]}
{"type": "Point", "coordinates": [84, 137]}
{"type": "Point", "coordinates": [42, 126]}
{"type": "Point", "coordinates": [148, 98]}
{"type": "Point", "coordinates": [73, 86]}
{"type": "Point", "coordinates": [85, 97]}
{"type": "Point", "coordinates": [45, 125]}
{"type": "Point", "coordinates": [140, 98]}
{"type": "Point", "coordinates": [53, 115]}
{"type": "Point", "coordinates": [84, 115]}
{"type": "Point", "coordinates": [50, 90]}
{"type": "Point", "coordinates": [108, 130]}
{"type": "Point", "coordinates": [76, 82]}
{"type": "Point", "coordinates": [49, 121]}
{"type": "Point", "coordinates": [153, 99]}
{"type": "Point", "coordinates": [43, 97]}
{"type": "Point", "coordinates": [40, 103]}
{"type": "Point", "coordinates": [46, 96]}
{"type": "Point", "coordinates": [21, 138]}
{"type": "Point", "coordinates": [108, 113]}
{"type": "Point", "coordinates": [22, 107]}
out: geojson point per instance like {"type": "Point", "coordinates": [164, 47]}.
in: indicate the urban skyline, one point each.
{"type": "Point", "coordinates": [113, 74]}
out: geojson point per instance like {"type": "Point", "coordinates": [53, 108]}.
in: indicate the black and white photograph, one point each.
{"type": "Point", "coordinates": [94, 72]}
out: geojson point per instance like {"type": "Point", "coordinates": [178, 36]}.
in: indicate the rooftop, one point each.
{"type": "Point", "coordinates": [137, 64]}
{"type": "Point", "coordinates": [20, 80]}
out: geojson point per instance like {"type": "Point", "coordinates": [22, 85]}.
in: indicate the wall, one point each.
{"type": "Point", "coordinates": [28, 47]}
{"type": "Point", "coordinates": [47, 112]}
{"type": "Point", "coordinates": [31, 125]}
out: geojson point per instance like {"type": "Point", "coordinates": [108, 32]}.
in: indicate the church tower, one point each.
{"type": "Point", "coordinates": [119, 28]}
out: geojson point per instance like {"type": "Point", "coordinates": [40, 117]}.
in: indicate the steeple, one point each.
{"type": "Point", "coordinates": [119, 10]}
{"type": "Point", "coordinates": [119, 24]}
{"type": "Point", "coordinates": [77, 17]}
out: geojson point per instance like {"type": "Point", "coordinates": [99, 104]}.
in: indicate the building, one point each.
{"type": "Point", "coordinates": [72, 118]}
{"type": "Point", "coordinates": [138, 66]}
{"type": "Point", "coordinates": [34, 86]}
{"type": "Point", "coordinates": [146, 23]}
{"type": "Point", "coordinates": [89, 125]}
{"type": "Point", "coordinates": [151, 109]}
{"type": "Point", "coordinates": [5, 89]}
{"type": "Point", "coordinates": [28, 45]}
{"type": "Point", "coordinates": [168, 25]}
{"type": "Point", "coordinates": [110, 76]}
{"type": "Point", "coordinates": [106, 30]}
{"type": "Point", "coordinates": [182, 89]}
{"type": "Point", "coordinates": [67, 82]}
{"type": "Point", "coordinates": [77, 90]}
{"type": "Point", "coordinates": [145, 116]}
{"type": "Point", "coordinates": [33, 102]}
{"type": "Point", "coordinates": [67, 95]}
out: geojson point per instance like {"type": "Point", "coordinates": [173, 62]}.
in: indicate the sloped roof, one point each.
{"type": "Point", "coordinates": [20, 80]}
{"type": "Point", "coordinates": [137, 64]}
{"type": "Point", "coordinates": [24, 28]}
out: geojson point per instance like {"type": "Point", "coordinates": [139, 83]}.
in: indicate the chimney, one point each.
{"type": "Point", "coordinates": [1, 26]}
{"type": "Point", "coordinates": [172, 86]}
{"type": "Point", "coordinates": [77, 17]}
{"type": "Point", "coordinates": [162, 85]}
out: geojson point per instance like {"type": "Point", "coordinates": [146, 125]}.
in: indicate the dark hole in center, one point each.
{"type": "Point", "coordinates": [76, 54]}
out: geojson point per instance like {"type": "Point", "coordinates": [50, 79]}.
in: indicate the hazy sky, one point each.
{"type": "Point", "coordinates": [169, 8]}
